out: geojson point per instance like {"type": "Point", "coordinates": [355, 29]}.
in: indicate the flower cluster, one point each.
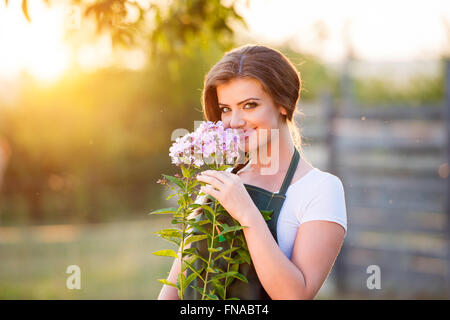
{"type": "Point", "coordinates": [210, 143]}
{"type": "Point", "coordinates": [209, 272]}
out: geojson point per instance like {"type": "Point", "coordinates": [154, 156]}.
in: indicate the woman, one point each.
{"type": "Point", "coordinates": [256, 89]}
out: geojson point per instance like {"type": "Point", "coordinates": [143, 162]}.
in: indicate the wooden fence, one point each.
{"type": "Point", "coordinates": [393, 162]}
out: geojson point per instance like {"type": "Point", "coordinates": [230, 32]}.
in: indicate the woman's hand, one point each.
{"type": "Point", "coordinates": [231, 193]}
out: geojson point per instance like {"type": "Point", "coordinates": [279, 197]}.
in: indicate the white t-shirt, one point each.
{"type": "Point", "coordinates": [318, 195]}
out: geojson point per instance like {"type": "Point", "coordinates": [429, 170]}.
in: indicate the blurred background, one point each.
{"type": "Point", "coordinates": [91, 91]}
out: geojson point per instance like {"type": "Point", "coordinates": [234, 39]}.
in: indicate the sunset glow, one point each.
{"type": "Point", "coordinates": [35, 47]}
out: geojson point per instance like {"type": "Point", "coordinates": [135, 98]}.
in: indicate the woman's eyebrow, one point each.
{"type": "Point", "coordinates": [223, 104]}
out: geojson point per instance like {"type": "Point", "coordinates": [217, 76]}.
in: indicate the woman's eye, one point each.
{"type": "Point", "coordinates": [251, 104]}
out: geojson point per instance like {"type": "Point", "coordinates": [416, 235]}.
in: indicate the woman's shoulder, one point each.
{"type": "Point", "coordinates": [323, 199]}
{"type": "Point", "coordinates": [315, 179]}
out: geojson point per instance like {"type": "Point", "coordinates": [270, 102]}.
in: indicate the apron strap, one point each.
{"type": "Point", "coordinates": [290, 172]}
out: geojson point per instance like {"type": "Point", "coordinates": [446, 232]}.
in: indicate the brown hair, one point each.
{"type": "Point", "coordinates": [278, 76]}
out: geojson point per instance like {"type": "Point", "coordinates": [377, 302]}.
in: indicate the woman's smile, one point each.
{"type": "Point", "coordinates": [248, 132]}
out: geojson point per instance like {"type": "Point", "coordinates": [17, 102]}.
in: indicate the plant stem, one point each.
{"type": "Point", "coordinates": [212, 246]}
{"type": "Point", "coordinates": [210, 251]}
{"type": "Point", "coordinates": [228, 268]}
{"type": "Point", "coordinates": [183, 235]}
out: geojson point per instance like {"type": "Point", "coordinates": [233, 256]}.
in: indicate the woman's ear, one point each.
{"type": "Point", "coordinates": [283, 111]}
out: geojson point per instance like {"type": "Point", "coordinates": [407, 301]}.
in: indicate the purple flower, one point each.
{"type": "Point", "coordinates": [210, 141]}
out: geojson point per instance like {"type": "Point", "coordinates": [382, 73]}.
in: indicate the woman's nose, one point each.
{"type": "Point", "coordinates": [236, 120]}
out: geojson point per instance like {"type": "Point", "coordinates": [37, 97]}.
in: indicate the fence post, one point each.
{"type": "Point", "coordinates": [330, 113]}
{"type": "Point", "coordinates": [447, 123]}
{"type": "Point", "coordinates": [333, 111]}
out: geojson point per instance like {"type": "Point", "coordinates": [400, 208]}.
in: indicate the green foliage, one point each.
{"type": "Point", "coordinates": [90, 147]}
{"type": "Point", "coordinates": [176, 29]}
{"type": "Point", "coordinates": [418, 90]}
{"type": "Point", "coordinates": [192, 229]}
{"type": "Point", "coordinates": [188, 23]}
{"type": "Point", "coordinates": [314, 75]}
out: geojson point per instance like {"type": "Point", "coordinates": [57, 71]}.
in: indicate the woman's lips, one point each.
{"type": "Point", "coordinates": [248, 132]}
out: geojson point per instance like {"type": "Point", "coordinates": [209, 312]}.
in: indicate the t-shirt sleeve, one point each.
{"type": "Point", "coordinates": [327, 203]}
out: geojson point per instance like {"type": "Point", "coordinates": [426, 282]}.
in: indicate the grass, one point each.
{"type": "Point", "coordinates": [115, 259]}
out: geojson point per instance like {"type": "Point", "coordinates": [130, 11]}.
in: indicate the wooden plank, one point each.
{"type": "Point", "coordinates": [383, 161]}
{"type": "Point", "coordinates": [393, 144]}
{"type": "Point", "coordinates": [447, 198]}
{"type": "Point", "coordinates": [390, 112]}
{"type": "Point", "coordinates": [391, 220]}
{"type": "Point", "coordinates": [368, 171]}
{"type": "Point", "coordinates": [410, 243]}
{"type": "Point", "coordinates": [395, 261]}
{"type": "Point", "coordinates": [409, 183]}
{"type": "Point", "coordinates": [372, 199]}
{"type": "Point", "coordinates": [395, 284]}
{"type": "Point", "coordinates": [382, 192]}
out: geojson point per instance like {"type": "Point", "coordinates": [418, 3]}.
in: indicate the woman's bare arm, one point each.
{"type": "Point", "coordinates": [169, 292]}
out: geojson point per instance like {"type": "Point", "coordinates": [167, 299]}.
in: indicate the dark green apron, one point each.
{"type": "Point", "coordinates": [264, 200]}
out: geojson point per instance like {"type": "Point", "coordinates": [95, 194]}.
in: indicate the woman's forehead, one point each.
{"type": "Point", "coordinates": [240, 88]}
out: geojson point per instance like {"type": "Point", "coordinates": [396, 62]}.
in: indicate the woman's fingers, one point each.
{"type": "Point", "coordinates": [222, 176]}
{"type": "Point", "coordinates": [211, 191]}
{"type": "Point", "coordinates": [216, 183]}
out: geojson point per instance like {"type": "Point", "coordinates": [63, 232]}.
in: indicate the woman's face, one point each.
{"type": "Point", "coordinates": [245, 105]}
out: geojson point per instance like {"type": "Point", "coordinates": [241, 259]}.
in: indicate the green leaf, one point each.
{"type": "Point", "coordinates": [165, 281]}
{"type": "Point", "coordinates": [229, 281]}
{"type": "Point", "coordinates": [208, 208]}
{"type": "Point", "coordinates": [189, 260]}
{"type": "Point", "coordinates": [176, 233]}
{"type": "Point", "coordinates": [194, 205]}
{"type": "Point", "coordinates": [187, 198]}
{"type": "Point", "coordinates": [195, 238]}
{"type": "Point", "coordinates": [219, 288]}
{"type": "Point", "coordinates": [196, 254]}
{"type": "Point", "coordinates": [267, 214]}
{"type": "Point", "coordinates": [215, 249]}
{"type": "Point", "coordinates": [194, 183]}
{"type": "Point", "coordinates": [241, 277]}
{"type": "Point", "coordinates": [211, 270]}
{"type": "Point", "coordinates": [165, 211]}
{"type": "Point", "coordinates": [234, 267]}
{"type": "Point", "coordinates": [233, 274]}
{"type": "Point", "coordinates": [212, 296]}
{"type": "Point", "coordinates": [181, 280]}
{"type": "Point", "coordinates": [185, 171]}
{"type": "Point", "coordinates": [222, 254]}
{"type": "Point", "coordinates": [224, 167]}
{"type": "Point", "coordinates": [171, 196]}
{"type": "Point", "coordinates": [194, 270]}
{"type": "Point", "coordinates": [245, 255]}
{"type": "Point", "coordinates": [175, 180]}
{"type": "Point", "coordinates": [175, 241]}
{"type": "Point", "coordinates": [194, 222]}
{"type": "Point", "coordinates": [188, 280]}
{"type": "Point", "coordinates": [231, 229]}
{"type": "Point", "coordinates": [166, 253]}
{"type": "Point", "coordinates": [190, 251]}
{"type": "Point", "coordinates": [200, 290]}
